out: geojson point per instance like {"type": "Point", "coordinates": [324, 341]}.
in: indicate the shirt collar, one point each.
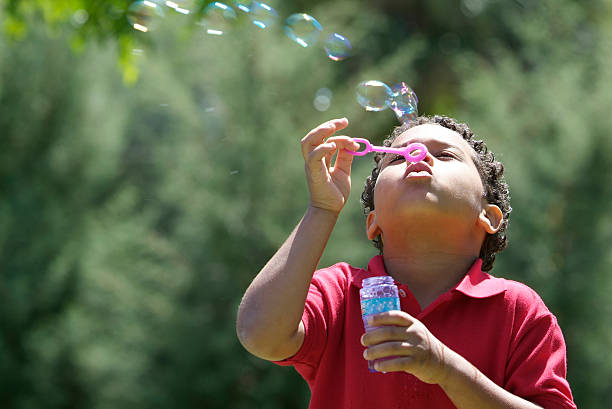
{"type": "Point", "coordinates": [376, 267]}
{"type": "Point", "coordinates": [476, 283]}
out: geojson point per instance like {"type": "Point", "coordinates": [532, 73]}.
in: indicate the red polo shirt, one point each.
{"type": "Point", "coordinates": [500, 326]}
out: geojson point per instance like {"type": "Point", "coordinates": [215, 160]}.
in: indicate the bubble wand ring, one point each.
{"type": "Point", "coordinates": [407, 152]}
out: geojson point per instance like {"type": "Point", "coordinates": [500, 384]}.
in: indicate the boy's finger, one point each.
{"type": "Point", "coordinates": [344, 159]}
{"type": "Point", "coordinates": [319, 153]}
{"type": "Point", "coordinates": [404, 364]}
{"type": "Point", "coordinates": [318, 134]}
{"type": "Point", "coordinates": [328, 158]}
{"type": "Point", "coordinates": [396, 348]}
{"type": "Point", "coordinates": [387, 333]}
{"type": "Point", "coordinates": [343, 142]}
{"type": "Point", "coordinates": [395, 317]}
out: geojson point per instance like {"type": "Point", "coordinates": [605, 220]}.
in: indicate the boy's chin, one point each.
{"type": "Point", "coordinates": [431, 219]}
{"type": "Point", "coordinates": [433, 208]}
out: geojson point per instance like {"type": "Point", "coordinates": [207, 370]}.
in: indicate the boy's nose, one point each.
{"type": "Point", "coordinates": [429, 159]}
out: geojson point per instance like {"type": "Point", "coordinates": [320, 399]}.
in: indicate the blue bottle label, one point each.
{"type": "Point", "coordinates": [377, 305]}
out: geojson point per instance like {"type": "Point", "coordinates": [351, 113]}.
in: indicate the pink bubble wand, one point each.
{"type": "Point", "coordinates": [408, 152]}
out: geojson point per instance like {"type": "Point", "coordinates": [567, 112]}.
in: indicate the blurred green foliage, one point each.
{"type": "Point", "coordinates": [140, 199]}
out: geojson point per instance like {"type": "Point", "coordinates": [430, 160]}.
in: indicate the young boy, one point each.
{"type": "Point", "coordinates": [463, 338]}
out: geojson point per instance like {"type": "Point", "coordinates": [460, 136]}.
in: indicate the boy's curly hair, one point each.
{"type": "Point", "coordinates": [491, 173]}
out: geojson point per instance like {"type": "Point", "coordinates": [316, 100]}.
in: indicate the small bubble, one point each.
{"type": "Point", "coordinates": [322, 100]}
{"type": "Point", "coordinates": [326, 92]}
{"type": "Point", "coordinates": [337, 47]}
{"type": "Point", "coordinates": [374, 95]}
{"type": "Point", "coordinates": [303, 29]}
{"type": "Point", "coordinates": [182, 6]}
{"type": "Point", "coordinates": [144, 15]}
{"type": "Point", "coordinates": [262, 15]}
{"type": "Point", "coordinates": [234, 172]}
{"type": "Point", "coordinates": [321, 103]}
{"type": "Point", "coordinates": [244, 6]}
{"type": "Point", "coordinates": [137, 52]}
{"type": "Point", "coordinates": [79, 18]}
{"type": "Point", "coordinates": [218, 18]}
{"type": "Point", "coordinates": [404, 102]}
{"type": "Point", "coordinates": [182, 11]}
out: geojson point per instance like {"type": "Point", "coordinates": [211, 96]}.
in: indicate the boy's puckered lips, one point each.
{"type": "Point", "coordinates": [418, 169]}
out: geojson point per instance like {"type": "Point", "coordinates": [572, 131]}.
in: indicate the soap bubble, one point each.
{"type": "Point", "coordinates": [404, 102]}
{"type": "Point", "coordinates": [79, 18]}
{"type": "Point", "coordinates": [337, 47]}
{"type": "Point", "coordinates": [144, 15]}
{"type": "Point", "coordinates": [303, 29]}
{"type": "Point", "coordinates": [322, 99]}
{"type": "Point", "coordinates": [182, 6]}
{"type": "Point", "coordinates": [262, 15]}
{"type": "Point", "coordinates": [244, 6]}
{"type": "Point", "coordinates": [374, 95]}
{"type": "Point", "coordinates": [218, 18]}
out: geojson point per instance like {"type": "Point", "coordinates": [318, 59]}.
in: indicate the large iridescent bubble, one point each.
{"type": "Point", "coordinates": [377, 96]}
{"type": "Point", "coordinates": [404, 102]}
{"type": "Point", "coordinates": [303, 29]}
{"type": "Point", "coordinates": [374, 95]}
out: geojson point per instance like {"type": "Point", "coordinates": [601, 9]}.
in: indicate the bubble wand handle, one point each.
{"type": "Point", "coordinates": [419, 150]}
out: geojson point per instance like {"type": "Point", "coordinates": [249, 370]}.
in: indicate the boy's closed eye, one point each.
{"type": "Point", "coordinates": [445, 155]}
{"type": "Point", "coordinates": [397, 157]}
{"type": "Point", "coordinates": [440, 155]}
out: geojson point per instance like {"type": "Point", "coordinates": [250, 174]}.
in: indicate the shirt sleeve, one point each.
{"type": "Point", "coordinates": [537, 366]}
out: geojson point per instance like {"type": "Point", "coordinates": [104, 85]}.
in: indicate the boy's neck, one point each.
{"type": "Point", "coordinates": [427, 273]}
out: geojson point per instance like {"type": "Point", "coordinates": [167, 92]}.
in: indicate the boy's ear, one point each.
{"type": "Point", "coordinates": [490, 218]}
{"type": "Point", "coordinates": [372, 228]}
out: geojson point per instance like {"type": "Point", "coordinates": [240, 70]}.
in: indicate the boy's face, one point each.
{"type": "Point", "coordinates": [443, 190]}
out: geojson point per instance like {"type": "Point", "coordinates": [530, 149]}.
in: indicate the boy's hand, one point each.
{"type": "Point", "coordinates": [329, 185]}
{"type": "Point", "coordinates": [407, 345]}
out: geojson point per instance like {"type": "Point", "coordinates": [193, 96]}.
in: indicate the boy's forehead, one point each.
{"type": "Point", "coordinates": [429, 134]}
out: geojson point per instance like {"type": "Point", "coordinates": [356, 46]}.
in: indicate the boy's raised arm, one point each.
{"type": "Point", "coordinates": [269, 317]}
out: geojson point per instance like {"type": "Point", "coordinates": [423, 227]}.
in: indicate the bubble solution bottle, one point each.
{"type": "Point", "coordinates": [378, 294]}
